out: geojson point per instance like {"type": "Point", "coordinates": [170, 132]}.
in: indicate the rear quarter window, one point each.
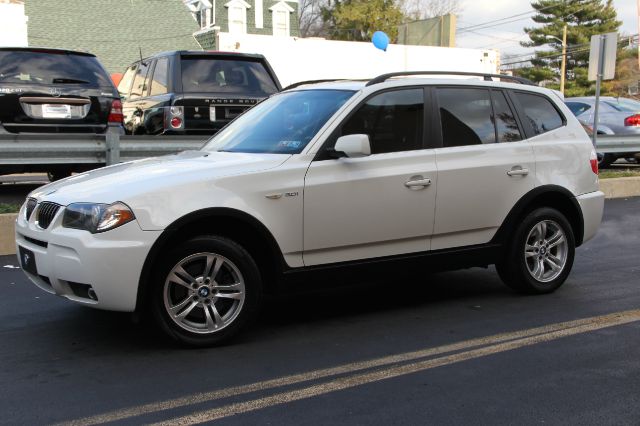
{"type": "Point", "coordinates": [539, 113]}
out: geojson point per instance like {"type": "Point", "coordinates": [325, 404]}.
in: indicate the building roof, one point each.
{"type": "Point", "coordinates": [114, 30]}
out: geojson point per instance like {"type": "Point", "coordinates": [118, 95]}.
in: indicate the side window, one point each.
{"type": "Point", "coordinates": [393, 121]}
{"type": "Point", "coordinates": [125, 83]}
{"type": "Point", "coordinates": [160, 77]}
{"type": "Point", "coordinates": [465, 116]}
{"type": "Point", "coordinates": [506, 124]}
{"type": "Point", "coordinates": [139, 82]}
{"type": "Point", "coordinates": [578, 108]}
{"type": "Point", "coordinates": [539, 112]}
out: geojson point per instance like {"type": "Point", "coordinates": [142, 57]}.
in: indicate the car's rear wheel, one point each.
{"type": "Point", "coordinates": [540, 255]}
{"type": "Point", "coordinates": [207, 290]}
{"type": "Point", "coordinates": [605, 160]}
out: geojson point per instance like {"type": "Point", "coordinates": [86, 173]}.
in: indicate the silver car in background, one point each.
{"type": "Point", "coordinates": [617, 116]}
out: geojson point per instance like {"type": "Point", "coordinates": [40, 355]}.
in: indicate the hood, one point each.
{"type": "Point", "coordinates": [122, 182]}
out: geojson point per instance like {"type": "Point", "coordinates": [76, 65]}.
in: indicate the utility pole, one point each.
{"type": "Point", "coordinates": [563, 67]}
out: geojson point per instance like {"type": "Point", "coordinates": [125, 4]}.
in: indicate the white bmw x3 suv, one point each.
{"type": "Point", "coordinates": [324, 183]}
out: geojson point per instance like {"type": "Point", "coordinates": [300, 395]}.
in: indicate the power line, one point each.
{"type": "Point", "coordinates": [470, 27]}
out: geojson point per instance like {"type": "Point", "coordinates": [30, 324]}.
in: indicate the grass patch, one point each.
{"type": "Point", "coordinates": [608, 174]}
{"type": "Point", "coordinates": [9, 208]}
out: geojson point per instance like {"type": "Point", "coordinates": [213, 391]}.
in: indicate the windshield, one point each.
{"type": "Point", "coordinates": [51, 67]}
{"type": "Point", "coordinates": [213, 74]}
{"type": "Point", "coordinates": [282, 124]}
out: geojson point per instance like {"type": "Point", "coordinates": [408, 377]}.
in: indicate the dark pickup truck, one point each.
{"type": "Point", "coordinates": [192, 92]}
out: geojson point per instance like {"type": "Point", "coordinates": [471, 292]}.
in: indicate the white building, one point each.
{"type": "Point", "coordinates": [13, 23]}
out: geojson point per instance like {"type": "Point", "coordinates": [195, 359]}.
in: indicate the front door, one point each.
{"type": "Point", "coordinates": [357, 208]}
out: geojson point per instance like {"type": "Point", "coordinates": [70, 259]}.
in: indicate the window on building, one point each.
{"type": "Point", "coordinates": [392, 120]}
{"type": "Point", "coordinates": [237, 10]}
{"type": "Point", "coordinates": [281, 14]}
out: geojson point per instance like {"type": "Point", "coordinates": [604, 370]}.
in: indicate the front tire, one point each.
{"type": "Point", "coordinates": [206, 291]}
{"type": "Point", "coordinates": [540, 254]}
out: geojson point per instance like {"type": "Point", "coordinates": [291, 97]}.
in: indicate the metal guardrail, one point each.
{"type": "Point", "coordinates": [113, 148]}
{"type": "Point", "coordinates": [614, 143]}
{"type": "Point", "coordinates": [90, 149]}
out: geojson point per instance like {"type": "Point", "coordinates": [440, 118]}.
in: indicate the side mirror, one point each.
{"type": "Point", "coordinates": [353, 146]}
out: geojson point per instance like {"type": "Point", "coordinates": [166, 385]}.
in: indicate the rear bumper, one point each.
{"type": "Point", "coordinates": [592, 206]}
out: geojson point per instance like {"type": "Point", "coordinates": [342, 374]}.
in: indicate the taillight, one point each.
{"type": "Point", "coordinates": [176, 122]}
{"type": "Point", "coordinates": [115, 114]}
{"type": "Point", "coordinates": [593, 160]}
{"type": "Point", "coordinates": [633, 120]}
{"type": "Point", "coordinates": [174, 116]}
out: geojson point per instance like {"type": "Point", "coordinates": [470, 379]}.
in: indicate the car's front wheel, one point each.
{"type": "Point", "coordinates": [540, 254]}
{"type": "Point", "coordinates": [206, 291]}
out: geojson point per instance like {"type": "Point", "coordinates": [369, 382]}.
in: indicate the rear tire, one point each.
{"type": "Point", "coordinates": [205, 291]}
{"type": "Point", "coordinates": [605, 160]}
{"type": "Point", "coordinates": [540, 254]}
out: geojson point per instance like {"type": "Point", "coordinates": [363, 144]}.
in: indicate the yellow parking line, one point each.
{"type": "Point", "coordinates": [483, 347]}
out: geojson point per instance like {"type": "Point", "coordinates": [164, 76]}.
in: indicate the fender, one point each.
{"type": "Point", "coordinates": [174, 231]}
{"type": "Point", "coordinates": [548, 195]}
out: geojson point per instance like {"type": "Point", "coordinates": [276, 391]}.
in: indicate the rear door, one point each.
{"type": "Point", "coordinates": [50, 91]}
{"type": "Point", "coordinates": [485, 165]}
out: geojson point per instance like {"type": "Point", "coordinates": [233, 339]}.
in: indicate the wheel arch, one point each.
{"type": "Point", "coordinates": [552, 196]}
{"type": "Point", "coordinates": [239, 226]}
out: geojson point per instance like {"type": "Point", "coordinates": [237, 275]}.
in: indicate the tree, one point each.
{"type": "Point", "coordinates": [583, 18]}
{"type": "Point", "coordinates": [357, 20]}
{"type": "Point", "coordinates": [310, 17]}
{"type": "Point", "coordinates": [423, 9]}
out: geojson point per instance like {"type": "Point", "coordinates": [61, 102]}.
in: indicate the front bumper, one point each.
{"type": "Point", "coordinates": [68, 260]}
{"type": "Point", "coordinates": [592, 206]}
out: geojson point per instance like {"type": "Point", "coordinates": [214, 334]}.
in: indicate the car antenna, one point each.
{"type": "Point", "coordinates": [141, 60]}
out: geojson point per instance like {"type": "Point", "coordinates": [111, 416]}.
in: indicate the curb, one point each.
{"type": "Point", "coordinates": [7, 233]}
{"type": "Point", "coordinates": [612, 188]}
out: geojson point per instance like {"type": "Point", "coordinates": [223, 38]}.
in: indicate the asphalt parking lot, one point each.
{"type": "Point", "coordinates": [449, 348]}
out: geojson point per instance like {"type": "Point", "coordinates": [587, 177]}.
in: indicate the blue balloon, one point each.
{"type": "Point", "coordinates": [380, 40]}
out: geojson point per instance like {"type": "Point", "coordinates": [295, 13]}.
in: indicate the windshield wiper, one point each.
{"type": "Point", "coordinates": [63, 80]}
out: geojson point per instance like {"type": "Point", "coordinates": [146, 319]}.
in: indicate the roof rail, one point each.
{"type": "Point", "coordinates": [302, 83]}
{"type": "Point", "coordinates": [487, 77]}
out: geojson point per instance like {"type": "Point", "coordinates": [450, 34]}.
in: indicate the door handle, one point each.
{"type": "Point", "coordinates": [518, 171]}
{"type": "Point", "coordinates": [417, 182]}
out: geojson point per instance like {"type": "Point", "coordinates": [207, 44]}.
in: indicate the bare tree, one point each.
{"type": "Point", "coordinates": [423, 9]}
{"type": "Point", "coordinates": [310, 17]}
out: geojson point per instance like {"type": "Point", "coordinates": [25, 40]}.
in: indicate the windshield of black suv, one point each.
{"type": "Point", "coordinates": [51, 67]}
{"type": "Point", "coordinates": [229, 76]}
{"type": "Point", "coordinates": [282, 124]}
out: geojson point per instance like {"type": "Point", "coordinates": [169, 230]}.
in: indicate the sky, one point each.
{"type": "Point", "coordinates": [506, 37]}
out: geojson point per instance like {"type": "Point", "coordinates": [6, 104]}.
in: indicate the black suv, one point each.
{"type": "Point", "coordinates": [44, 91]}
{"type": "Point", "coordinates": [192, 92]}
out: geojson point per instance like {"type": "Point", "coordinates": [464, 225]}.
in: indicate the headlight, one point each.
{"type": "Point", "coordinates": [96, 217]}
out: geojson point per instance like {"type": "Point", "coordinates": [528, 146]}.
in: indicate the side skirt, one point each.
{"type": "Point", "coordinates": [388, 268]}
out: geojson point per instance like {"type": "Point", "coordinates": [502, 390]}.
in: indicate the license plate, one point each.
{"type": "Point", "coordinates": [28, 261]}
{"type": "Point", "coordinates": [212, 113]}
{"type": "Point", "coordinates": [56, 111]}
